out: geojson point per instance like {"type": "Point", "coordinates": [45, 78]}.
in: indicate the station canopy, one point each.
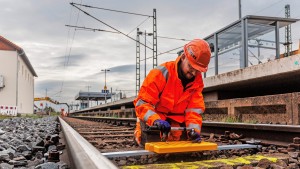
{"type": "Point", "coordinates": [242, 35]}
{"type": "Point", "coordinates": [93, 96]}
{"type": "Point", "coordinates": [231, 35]}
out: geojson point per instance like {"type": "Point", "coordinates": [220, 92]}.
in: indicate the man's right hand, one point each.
{"type": "Point", "coordinates": [195, 136]}
{"type": "Point", "coordinates": [162, 125]}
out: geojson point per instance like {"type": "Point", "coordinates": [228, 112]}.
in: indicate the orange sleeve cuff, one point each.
{"type": "Point", "coordinates": [152, 118]}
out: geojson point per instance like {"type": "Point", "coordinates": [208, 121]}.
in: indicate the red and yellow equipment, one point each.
{"type": "Point", "coordinates": [46, 99]}
{"type": "Point", "coordinates": [179, 146]}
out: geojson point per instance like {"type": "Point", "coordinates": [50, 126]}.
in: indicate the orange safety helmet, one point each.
{"type": "Point", "coordinates": [198, 53]}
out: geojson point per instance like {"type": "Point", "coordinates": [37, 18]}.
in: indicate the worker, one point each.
{"type": "Point", "coordinates": [171, 94]}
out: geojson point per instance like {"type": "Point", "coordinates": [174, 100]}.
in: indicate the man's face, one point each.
{"type": "Point", "coordinates": [188, 71]}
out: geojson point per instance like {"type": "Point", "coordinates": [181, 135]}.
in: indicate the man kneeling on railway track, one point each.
{"type": "Point", "coordinates": [171, 95]}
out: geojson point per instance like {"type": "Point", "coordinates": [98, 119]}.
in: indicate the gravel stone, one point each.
{"type": "Point", "coordinates": [6, 166]}
{"type": "Point", "coordinates": [122, 162]}
{"type": "Point", "coordinates": [27, 154]}
{"type": "Point", "coordinates": [4, 155]}
{"type": "Point", "coordinates": [39, 155]}
{"type": "Point", "coordinates": [18, 163]}
{"type": "Point", "coordinates": [293, 166]}
{"type": "Point", "coordinates": [294, 155]}
{"type": "Point", "coordinates": [63, 165]}
{"type": "Point", "coordinates": [281, 163]}
{"type": "Point", "coordinates": [275, 166]}
{"type": "Point", "coordinates": [48, 165]}
{"type": "Point", "coordinates": [22, 148]}
{"type": "Point", "coordinates": [20, 158]}
{"type": "Point", "coordinates": [264, 163]}
{"type": "Point", "coordinates": [2, 132]}
{"type": "Point", "coordinates": [52, 147]}
{"type": "Point", "coordinates": [22, 142]}
{"type": "Point", "coordinates": [35, 162]}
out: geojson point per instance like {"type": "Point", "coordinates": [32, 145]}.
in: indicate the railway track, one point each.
{"type": "Point", "coordinates": [267, 134]}
{"type": "Point", "coordinates": [116, 135]}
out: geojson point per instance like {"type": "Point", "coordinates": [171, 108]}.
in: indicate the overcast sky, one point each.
{"type": "Point", "coordinates": [68, 61]}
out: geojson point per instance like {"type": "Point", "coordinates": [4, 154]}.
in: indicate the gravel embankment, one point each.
{"type": "Point", "coordinates": [26, 143]}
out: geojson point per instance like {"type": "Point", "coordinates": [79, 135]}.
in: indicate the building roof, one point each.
{"type": "Point", "coordinates": [5, 44]}
{"type": "Point", "coordinates": [95, 96]}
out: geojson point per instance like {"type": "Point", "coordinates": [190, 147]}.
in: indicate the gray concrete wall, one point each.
{"type": "Point", "coordinates": [269, 70]}
{"type": "Point", "coordinates": [8, 68]}
{"type": "Point", "coordinates": [25, 88]}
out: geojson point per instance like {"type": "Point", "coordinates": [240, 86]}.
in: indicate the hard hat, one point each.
{"type": "Point", "coordinates": [198, 53]}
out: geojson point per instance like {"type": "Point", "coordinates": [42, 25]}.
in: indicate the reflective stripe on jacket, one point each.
{"type": "Point", "coordinates": [162, 95]}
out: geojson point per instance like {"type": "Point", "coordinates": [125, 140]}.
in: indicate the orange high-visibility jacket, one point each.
{"type": "Point", "coordinates": [162, 95]}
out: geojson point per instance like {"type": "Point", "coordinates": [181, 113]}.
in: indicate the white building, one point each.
{"type": "Point", "coordinates": [16, 80]}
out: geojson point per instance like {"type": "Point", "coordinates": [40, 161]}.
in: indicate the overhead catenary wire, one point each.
{"type": "Point", "coordinates": [150, 44]}
{"type": "Point", "coordinates": [91, 29]}
{"type": "Point", "coordinates": [278, 13]}
{"type": "Point", "coordinates": [113, 10]}
{"type": "Point", "coordinates": [164, 52]}
{"type": "Point", "coordinates": [101, 30]}
{"type": "Point", "coordinates": [138, 26]}
{"type": "Point", "coordinates": [170, 50]}
{"type": "Point", "coordinates": [73, 4]}
{"type": "Point", "coordinates": [268, 6]}
{"type": "Point", "coordinates": [67, 55]}
{"type": "Point", "coordinates": [164, 37]}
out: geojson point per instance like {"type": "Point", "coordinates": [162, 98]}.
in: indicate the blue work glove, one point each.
{"type": "Point", "coordinates": [194, 136]}
{"type": "Point", "coordinates": [162, 125]}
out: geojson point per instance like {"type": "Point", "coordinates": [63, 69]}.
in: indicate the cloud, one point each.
{"type": "Point", "coordinates": [68, 60]}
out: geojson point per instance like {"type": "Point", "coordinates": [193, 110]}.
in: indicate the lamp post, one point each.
{"type": "Point", "coordinates": [105, 87]}
{"type": "Point", "coordinates": [146, 34]}
{"type": "Point", "coordinates": [105, 70]}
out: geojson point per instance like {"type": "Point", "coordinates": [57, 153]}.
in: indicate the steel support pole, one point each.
{"type": "Point", "coordinates": [216, 54]}
{"type": "Point", "coordinates": [246, 42]}
{"type": "Point", "coordinates": [138, 63]}
{"type": "Point", "coordinates": [277, 39]}
{"type": "Point", "coordinates": [105, 87]}
{"type": "Point", "coordinates": [288, 34]}
{"type": "Point", "coordinates": [240, 9]}
{"type": "Point", "coordinates": [154, 39]}
{"type": "Point", "coordinates": [244, 53]}
{"type": "Point", "coordinates": [145, 54]}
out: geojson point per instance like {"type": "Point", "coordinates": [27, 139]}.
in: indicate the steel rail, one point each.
{"type": "Point", "coordinates": [82, 153]}
{"type": "Point", "coordinates": [119, 121]}
{"type": "Point", "coordinates": [280, 135]}
{"type": "Point", "coordinates": [276, 134]}
{"type": "Point", "coordinates": [146, 152]}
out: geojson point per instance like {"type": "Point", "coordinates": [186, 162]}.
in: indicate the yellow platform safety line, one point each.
{"type": "Point", "coordinates": [206, 163]}
{"type": "Point", "coordinates": [179, 146]}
